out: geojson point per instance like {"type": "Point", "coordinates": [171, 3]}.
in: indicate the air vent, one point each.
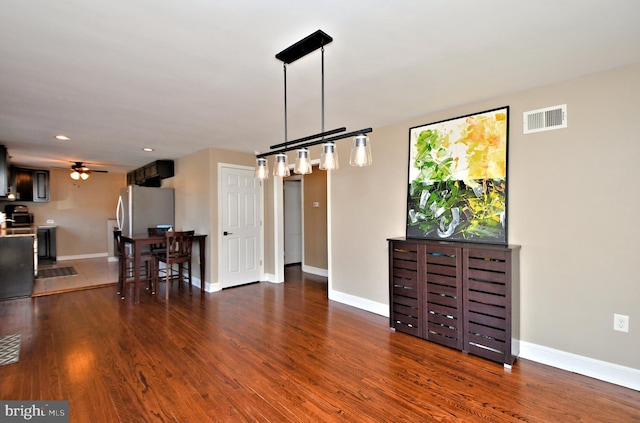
{"type": "Point", "coordinates": [546, 119]}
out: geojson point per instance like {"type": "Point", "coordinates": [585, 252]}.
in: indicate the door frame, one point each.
{"type": "Point", "coordinates": [220, 220]}
{"type": "Point", "coordinates": [278, 229]}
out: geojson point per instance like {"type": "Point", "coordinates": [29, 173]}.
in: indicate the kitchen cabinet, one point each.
{"type": "Point", "coordinates": [41, 185]}
{"type": "Point", "coordinates": [151, 175]}
{"type": "Point", "coordinates": [461, 295]}
{"type": "Point", "coordinates": [4, 181]}
{"type": "Point", "coordinates": [47, 244]}
{"type": "Point", "coordinates": [30, 184]}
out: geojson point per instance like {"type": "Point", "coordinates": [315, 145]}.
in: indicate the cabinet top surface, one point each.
{"type": "Point", "coordinates": [456, 243]}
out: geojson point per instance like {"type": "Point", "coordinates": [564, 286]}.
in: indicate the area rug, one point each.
{"type": "Point", "coordinates": [56, 272]}
{"type": "Point", "coordinates": [9, 349]}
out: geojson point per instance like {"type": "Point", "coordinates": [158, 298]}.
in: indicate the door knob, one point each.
{"type": "Point", "coordinates": [225, 233]}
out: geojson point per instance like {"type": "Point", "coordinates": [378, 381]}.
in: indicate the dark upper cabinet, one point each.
{"type": "Point", "coordinates": [41, 186]}
{"type": "Point", "coordinates": [30, 184]}
{"type": "Point", "coordinates": [4, 180]}
{"type": "Point", "coordinates": [152, 174]}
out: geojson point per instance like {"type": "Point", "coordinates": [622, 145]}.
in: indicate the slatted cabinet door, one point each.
{"type": "Point", "coordinates": [462, 295]}
{"type": "Point", "coordinates": [443, 295]}
{"type": "Point", "coordinates": [488, 304]}
{"type": "Point", "coordinates": [406, 314]}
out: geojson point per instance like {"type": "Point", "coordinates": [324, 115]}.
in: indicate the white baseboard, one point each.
{"type": "Point", "coordinates": [82, 256]}
{"type": "Point", "coordinates": [315, 270]}
{"type": "Point", "coordinates": [270, 277]}
{"type": "Point", "coordinates": [597, 369]}
{"type": "Point", "coordinates": [361, 303]}
{"type": "Point", "coordinates": [208, 286]}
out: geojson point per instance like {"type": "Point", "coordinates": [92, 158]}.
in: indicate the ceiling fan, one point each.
{"type": "Point", "coordinates": [80, 171]}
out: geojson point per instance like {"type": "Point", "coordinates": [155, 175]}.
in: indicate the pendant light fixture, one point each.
{"type": "Point", "coordinates": [262, 170]}
{"type": "Point", "coordinates": [329, 157]}
{"type": "Point", "coordinates": [361, 151]}
{"type": "Point", "coordinates": [281, 168]}
{"type": "Point", "coordinates": [303, 164]}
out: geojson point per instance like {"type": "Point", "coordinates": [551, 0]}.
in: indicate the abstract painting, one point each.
{"type": "Point", "coordinates": [458, 179]}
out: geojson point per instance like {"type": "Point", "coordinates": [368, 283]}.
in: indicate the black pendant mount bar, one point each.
{"type": "Point", "coordinates": [311, 43]}
{"type": "Point", "coordinates": [303, 47]}
{"type": "Point", "coordinates": [309, 137]}
{"type": "Point", "coordinates": [316, 142]}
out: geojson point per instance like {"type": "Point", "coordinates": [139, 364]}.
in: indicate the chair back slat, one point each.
{"type": "Point", "coordinates": [179, 244]}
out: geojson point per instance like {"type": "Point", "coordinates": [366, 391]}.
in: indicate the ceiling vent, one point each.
{"type": "Point", "coordinates": [546, 119]}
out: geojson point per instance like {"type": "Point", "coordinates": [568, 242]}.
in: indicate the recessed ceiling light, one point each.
{"type": "Point", "coordinates": [63, 137]}
{"type": "Point", "coordinates": [147, 149]}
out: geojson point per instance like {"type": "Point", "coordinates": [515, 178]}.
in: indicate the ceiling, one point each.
{"type": "Point", "coordinates": [181, 76]}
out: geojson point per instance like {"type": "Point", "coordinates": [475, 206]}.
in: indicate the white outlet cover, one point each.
{"type": "Point", "coordinates": [621, 323]}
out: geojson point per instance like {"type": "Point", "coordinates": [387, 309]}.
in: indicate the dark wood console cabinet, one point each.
{"type": "Point", "coordinates": [464, 296]}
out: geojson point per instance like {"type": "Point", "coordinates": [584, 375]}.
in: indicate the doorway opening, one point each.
{"type": "Point", "coordinates": [305, 227]}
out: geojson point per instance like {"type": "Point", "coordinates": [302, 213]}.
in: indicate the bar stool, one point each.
{"type": "Point", "coordinates": [177, 251]}
{"type": "Point", "coordinates": [126, 266]}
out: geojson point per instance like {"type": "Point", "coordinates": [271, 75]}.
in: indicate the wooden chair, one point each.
{"type": "Point", "coordinates": [177, 251]}
{"type": "Point", "coordinates": [126, 266]}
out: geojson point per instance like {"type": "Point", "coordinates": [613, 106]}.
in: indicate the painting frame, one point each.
{"type": "Point", "coordinates": [457, 179]}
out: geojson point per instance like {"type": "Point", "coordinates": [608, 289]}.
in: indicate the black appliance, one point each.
{"type": "Point", "coordinates": [18, 215]}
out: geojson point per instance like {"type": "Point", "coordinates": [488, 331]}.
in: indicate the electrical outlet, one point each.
{"type": "Point", "coordinates": [621, 322]}
{"type": "Point", "coordinates": [50, 221]}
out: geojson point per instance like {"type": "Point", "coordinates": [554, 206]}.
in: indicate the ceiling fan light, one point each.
{"type": "Point", "coordinates": [84, 176]}
{"type": "Point", "coordinates": [262, 169]}
{"type": "Point", "coordinates": [329, 157]}
{"type": "Point", "coordinates": [360, 151]}
{"type": "Point", "coordinates": [281, 167]}
{"type": "Point", "coordinates": [303, 164]}
{"type": "Point", "coordinates": [75, 175]}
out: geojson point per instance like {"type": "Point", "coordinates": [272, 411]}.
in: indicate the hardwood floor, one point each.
{"type": "Point", "coordinates": [271, 353]}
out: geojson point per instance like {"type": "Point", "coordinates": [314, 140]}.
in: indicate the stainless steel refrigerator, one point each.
{"type": "Point", "coordinates": [140, 208]}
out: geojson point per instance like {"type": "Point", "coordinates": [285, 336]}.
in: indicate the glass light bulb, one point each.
{"type": "Point", "coordinates": [281, 167]}
{"type": "Point", "coordinates": [360, 151]}
{"type": "Point", "coordinates": [262, 169]}
{"type": "Point", "coordinates": [75, 175]}
{"type": "Point", "coordinates": [329, 157]}
{"type": "Point", "coordinates": [303, 164]}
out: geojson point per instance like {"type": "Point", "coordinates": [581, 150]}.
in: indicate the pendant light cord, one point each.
{"type": "Point", "coordinates": [286, 137]}
{"type": "Point", "coordinates": [322, 66]}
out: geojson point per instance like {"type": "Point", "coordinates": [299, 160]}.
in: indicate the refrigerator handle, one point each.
{"type": "Point", "coordinates": [120, 213]}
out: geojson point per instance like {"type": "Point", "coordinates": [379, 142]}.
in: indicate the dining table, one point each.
{"type": "Point", "coordinates": [137, 243]}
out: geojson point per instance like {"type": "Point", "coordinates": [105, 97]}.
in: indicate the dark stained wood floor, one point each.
{"type": "Point", "coordinates": [271, 353]}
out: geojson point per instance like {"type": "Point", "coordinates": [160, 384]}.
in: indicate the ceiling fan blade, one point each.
{"type": "Point", "coordinates": [80, 167]}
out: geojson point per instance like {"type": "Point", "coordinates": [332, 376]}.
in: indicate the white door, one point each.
{"type": "Point", "coordinates": [239, 209]}
{"type": "Point", "coordinates": [292, 222]}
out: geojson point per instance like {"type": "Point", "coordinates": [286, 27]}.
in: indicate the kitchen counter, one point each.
{"type": "Point", "coordinates": [25, 231]}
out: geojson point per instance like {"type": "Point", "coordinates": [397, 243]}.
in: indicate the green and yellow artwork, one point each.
{"type": "Point", "coordinates": [458, 179]}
